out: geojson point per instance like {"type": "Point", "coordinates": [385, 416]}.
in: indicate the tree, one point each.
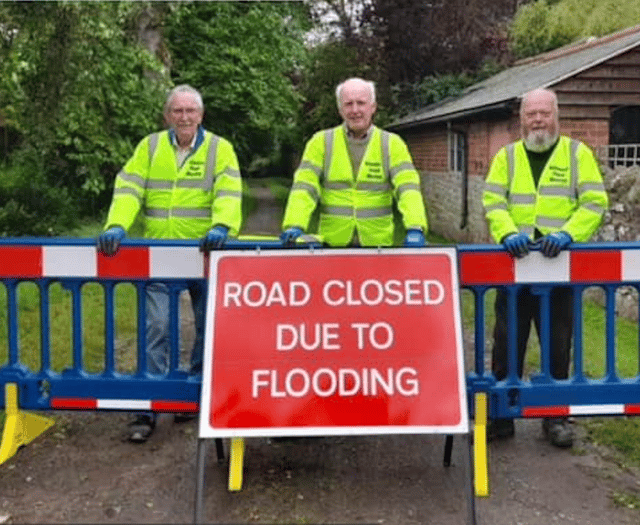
{"type": "Point", "coordinates": [76, 85]}
{"type": "Point", "coordinates": [245, 58]}
{"type": "Point", "coordinates": [441, 36]}
{"type": "Point", "coordinates": [543, 25]}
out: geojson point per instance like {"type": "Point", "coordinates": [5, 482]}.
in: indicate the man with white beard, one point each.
{"type": "Point", "coordinates": [544, 188]}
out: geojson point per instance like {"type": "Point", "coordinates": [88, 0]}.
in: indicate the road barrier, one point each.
{"type": "Point", "coordinates": [37, 380]}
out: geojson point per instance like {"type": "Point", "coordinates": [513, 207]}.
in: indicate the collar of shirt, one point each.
{"type": "Point", "coordinates": [174, 141]}
{"type": "Point", "coordinates": [195, 143]}
{"type": "Point", "coordinates": [351, 135]}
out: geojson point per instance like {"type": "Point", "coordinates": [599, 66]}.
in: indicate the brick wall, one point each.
{"type": "Point", "coordinates": [594, 132]}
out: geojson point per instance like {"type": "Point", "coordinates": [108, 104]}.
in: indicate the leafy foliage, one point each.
{"type": "Point", "coordinates": [245, 58]}
{"type": "Point", "coordinates": [81, 92]}
{"type": "Point", "coordinates": [544, 25]}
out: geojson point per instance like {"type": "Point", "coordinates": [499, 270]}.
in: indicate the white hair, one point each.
{"type": "Point", "coordinates": [184, 88]}
{"type": "Point", "coordinates": [366, 83]}
{"type": "Point", "coordinates": [529, 94]}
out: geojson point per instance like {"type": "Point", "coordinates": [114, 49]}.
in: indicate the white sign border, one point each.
{"type": "Point", "coordinates": [207, 431]}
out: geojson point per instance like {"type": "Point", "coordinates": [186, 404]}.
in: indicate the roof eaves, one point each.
{"type": "Point", "coordinates": [502, 106]}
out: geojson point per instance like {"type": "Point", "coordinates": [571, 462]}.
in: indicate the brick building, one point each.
{"type": "Point", "coordinates": [452, 142]}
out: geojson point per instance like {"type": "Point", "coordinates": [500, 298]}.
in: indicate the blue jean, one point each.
{"type": "Point", "coordinates": [158, 341]}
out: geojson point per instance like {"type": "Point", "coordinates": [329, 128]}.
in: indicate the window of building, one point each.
{"type": "Point", "coordinates": [456, 151]}
{"type": "Point", "coordinates": [624, 137]}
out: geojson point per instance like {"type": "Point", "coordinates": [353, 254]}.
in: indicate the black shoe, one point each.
{"type": "Point", "coordinates": [184, 417]}
{"type": "Point", "coordinates": [558, 431]}
{"type": "Point", "coordinates": [141, 428]}
{"type": "Point", "coordinates": [500, 429]}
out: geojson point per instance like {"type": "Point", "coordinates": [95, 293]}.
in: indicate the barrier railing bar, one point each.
{"type": "Point", "coordinates": [76, 308]}
{"type": "Point", "coordinates": [142, 330]}
{"type": "Point", "coordinates": [512, 335]}
{"type": "Point", "coordinates": [610, 332]}
{"type": "Point", "coordinates": [545, 331]}
{"type": "Point", "coordinates": [479, 326]}
{"type": "Point", "coordinates": [578, 359]}
{"type": "Point", "coordinates": [45, 327]}
{"type": "Point", "coordinates": [13, 323]}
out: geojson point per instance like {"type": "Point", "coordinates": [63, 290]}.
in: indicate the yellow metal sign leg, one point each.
{"type": "Point", "coordinates": [480, 446]}
{"type": "Point", "coordinates": [236, 461]}
{"type": "Point", "coordinates": [20, 428]}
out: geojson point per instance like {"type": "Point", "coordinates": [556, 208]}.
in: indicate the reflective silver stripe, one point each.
{"type": "Point", "coordinates": [495, 188]}
{"type": "Point", "coordinates": [191, 183]}
{"type": "Point", "coordinates": [574, 167]}
{"type": "Point", "coordinates": [337, 185]}
{"type": "Point", "coordinates": [386, 161]}
{"type": "Point", "coordinates": [305, 186]}
{"type": "Point", "coordinates": [497, 206]}
{"type": "Point", "coordinates": [229, 193]}
{"type": "Point", "coordinates": [550, 222]}
{"type": "Point", "coordinates": [154, 184]}
{"type": "Point", "coordinates": [370, 213]}
{"type": "Point", "coordinates": [304, 165]}
{"type": "Point", "coordinates": [344, 211]}
{"type": "Point", "coordinates": [522, 198]}
{"type": "Point", "coordinates": [375, 186]}
{"type": "Point", "coordinates": [400, 167]}
{"type": "Point", "coordinates": [232, 172]}
{"type": "Point", "coordinates": [365, 213]}
{"type": "Point", "coordinates": [593, 207]}
{"type": "Point", "coordinates": [510, 149]}
{"type": "Point", "coordinates": [555, 191]}
{"type": "Point", "coordinates": [210, 165]}
{"type": "Point", "coordinates": [328, 151]}
{"type": "Point", "coordinates": [526, 229]}
{"type": "Point", "coordinates": [407, 187]}
{"type": "Point", "coordinates": [591, 186]}
{"type": "Point", "coordinates": [153, 144]}
{"type": "Point", "coordinates": [130, 177]}
{"type": "Point", "coordinates": [191, 213]}
{"type": "Point", "coordinates": [128, 191]}
{"type": "Point", "coordinates": [157, 213]}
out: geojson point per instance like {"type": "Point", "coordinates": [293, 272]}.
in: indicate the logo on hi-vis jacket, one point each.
{"type": "Point", "coordinates": [373, 170]}
{"type": "Point", "coordinates": [195, 169]}
{"type": "Point", "coordinates": [559, 175]}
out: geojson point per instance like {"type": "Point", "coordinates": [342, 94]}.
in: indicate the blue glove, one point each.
{"type": "Point", "coordinates": [517, 244]}
{"type": "Point", "coordinates": [414, 239]}
{"type": "Point", "coordinates": [289, 236]}
{"type": "Point", "coordinates": [214, 238]}
{"type": "Point", "coordinates": [109, 241]}
{"type": "Point", "coordinates": [552, 244]}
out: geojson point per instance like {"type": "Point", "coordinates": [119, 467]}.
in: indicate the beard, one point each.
{"type": "Point", "coordinates": [540, 140]}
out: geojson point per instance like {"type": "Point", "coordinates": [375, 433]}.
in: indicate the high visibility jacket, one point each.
{"type": "Point", "coordinates": [363, 203]}
{"type": "Point", "coordinates": [570, 195]}
{"type": "Point", "coordinates": [179, 203]}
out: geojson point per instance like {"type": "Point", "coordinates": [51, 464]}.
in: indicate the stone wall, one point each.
{"type": "Point", "coordinates": [443, 194]}
{"type": "Point", "coordinates": [621, 223]}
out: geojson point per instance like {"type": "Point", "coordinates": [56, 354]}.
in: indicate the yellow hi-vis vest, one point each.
{"type": "Point", "coordinates": [362, 204]}
{"type": "Point", "coordinates": [570, 195]}
{"type": "Point", "coordinates": [179, 203]}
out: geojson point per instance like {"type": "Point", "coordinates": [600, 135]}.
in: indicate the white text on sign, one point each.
{"type": "Point", "coordinates": [410, 292]}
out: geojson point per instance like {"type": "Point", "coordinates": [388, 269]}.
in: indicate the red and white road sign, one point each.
{"type": "Point", "coordinates": [333, 342]}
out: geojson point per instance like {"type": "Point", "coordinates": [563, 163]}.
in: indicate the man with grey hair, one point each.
{"type": "Point", "coordinates": [544, 188]}
{"type": "Point", "coordinates": [354, 173]}
{"type": "Point", "coordinates": [186, 183]}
